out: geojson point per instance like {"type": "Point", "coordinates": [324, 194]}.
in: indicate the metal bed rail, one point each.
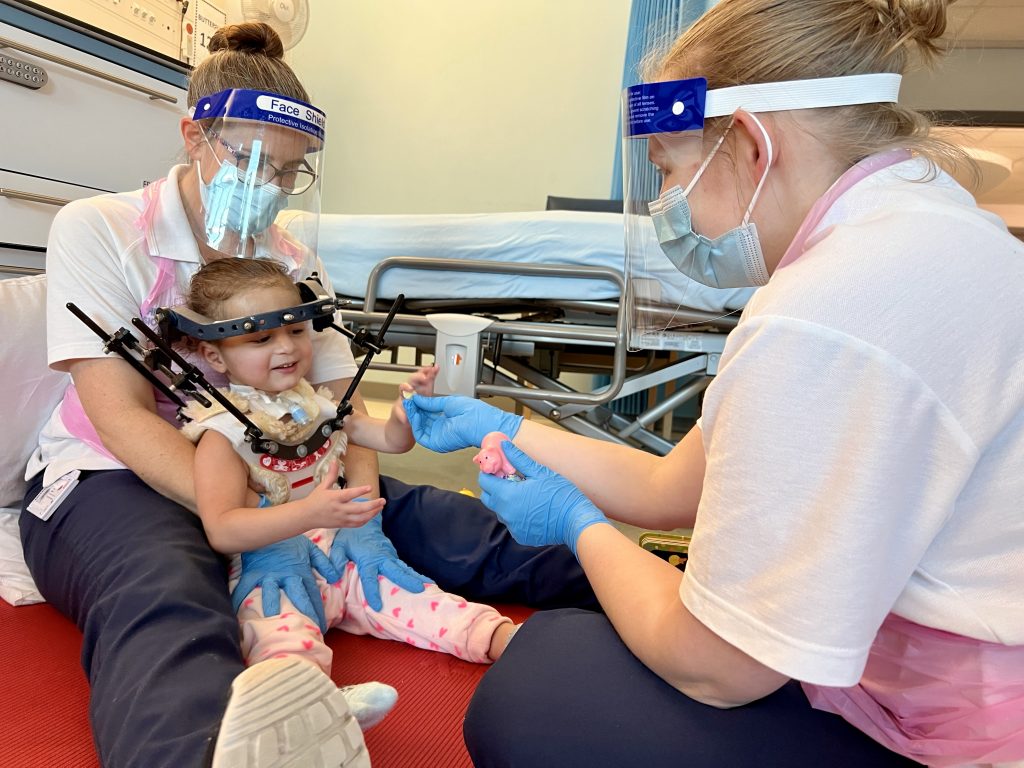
{"type": "Point", "coordinates": [518, 330]}
{"type": "Point", "coordinates": [588, 324]}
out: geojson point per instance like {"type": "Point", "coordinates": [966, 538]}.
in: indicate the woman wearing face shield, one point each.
{"type": "Point", "coordinates": [123, 554]}
{"type": "Point", "coordinates": [851, 596]}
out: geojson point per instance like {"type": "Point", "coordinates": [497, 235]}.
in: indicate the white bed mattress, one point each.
{"type": "Point", "coordinates": [351, 245]}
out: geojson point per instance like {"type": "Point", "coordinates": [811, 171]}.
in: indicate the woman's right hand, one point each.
{"type": "Point", "coordinates": [286, 565]}
{"type": "Point", "coordinates": [543, 508]}
{"type": "Point", "coordinates": [445, 424]}
{"type": "Point", "coordinates": [331, 507]}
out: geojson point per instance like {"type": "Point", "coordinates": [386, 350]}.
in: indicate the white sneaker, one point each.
{"type": "Point", "coordinates": [286, 712]}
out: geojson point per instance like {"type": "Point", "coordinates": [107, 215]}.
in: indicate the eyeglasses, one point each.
{"type": "Point", "coordinates": [292, 181]}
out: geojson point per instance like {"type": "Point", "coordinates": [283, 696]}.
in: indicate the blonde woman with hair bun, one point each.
{"type": "Point", "coordinates": [852, 592]}
{"type": "Point", "coordinates": [124, 554]}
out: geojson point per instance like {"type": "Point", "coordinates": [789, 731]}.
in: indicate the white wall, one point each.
{"type": "Point", "coordinates": [452, 106]}
{"type": "Point", "coordinates": [985, 79]}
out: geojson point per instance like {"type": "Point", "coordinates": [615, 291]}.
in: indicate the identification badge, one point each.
{"type": "Point", "coordinates": [46, 503]}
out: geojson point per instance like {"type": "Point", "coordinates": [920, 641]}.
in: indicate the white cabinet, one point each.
{"type": "Point", "coordinates": [83, 128]}
{"type": "Point", "coordinates": [20, 261]}
{"type": "Point", "coordinates": [28, 205]}
{"type": "Point", "coordinates": [95, 126]}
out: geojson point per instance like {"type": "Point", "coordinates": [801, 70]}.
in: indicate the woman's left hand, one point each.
{"type": "Point", "coordinates": [544, 508]}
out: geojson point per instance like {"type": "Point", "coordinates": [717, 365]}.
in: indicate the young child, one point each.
{"type": "Point", "coordinates": [265, 370]}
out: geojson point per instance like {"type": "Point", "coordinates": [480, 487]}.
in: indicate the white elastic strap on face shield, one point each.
{"type": "Point", "coordinates": [714, 151]}
{"type": "Point", "coordinates": [844, 91]}
{"type": "Point", "coordinates": [847, 90]}
{"type": "Point", "coordinates": [767, 167]}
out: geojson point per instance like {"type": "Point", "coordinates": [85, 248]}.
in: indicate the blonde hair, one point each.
{"type": "Point", "coordinates": [222, 279]}
{"type": "Point", "coordinates": [761, 41]}
{"type": "Point", "coordinates": [249, 55]}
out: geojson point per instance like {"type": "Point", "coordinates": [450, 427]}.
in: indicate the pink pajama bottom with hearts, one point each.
{"type": "Point", "coordinates": [431, 619]}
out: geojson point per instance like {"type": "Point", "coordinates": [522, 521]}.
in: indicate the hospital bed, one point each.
{"type": "Point", "coordinates": [534, 306]}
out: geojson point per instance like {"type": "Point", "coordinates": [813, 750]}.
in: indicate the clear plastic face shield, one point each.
{"type": "Point", "coordinates": [671, 266]}
{"type": "Point", "coordinates": [662, 129]}
{"type": "Point", "coordinates": [261, 193]}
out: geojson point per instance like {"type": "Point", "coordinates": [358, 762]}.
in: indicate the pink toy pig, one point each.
{"type": "Point", "coordinates": [491, 459]}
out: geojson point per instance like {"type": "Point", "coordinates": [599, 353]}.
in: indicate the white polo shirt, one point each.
{"type": "Point", "coordinates": [100, 255]}
{"type": "Point", "coordinates": [865, 437]}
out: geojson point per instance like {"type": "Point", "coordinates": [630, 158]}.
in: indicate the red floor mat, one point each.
{"type": "Point", "coordinates": [425, 728]}
{"type": "Point", "coordinates": [44, 695]}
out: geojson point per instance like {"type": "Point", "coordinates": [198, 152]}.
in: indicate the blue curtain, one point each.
{"type": "Point", "coordinates": [651, 22]}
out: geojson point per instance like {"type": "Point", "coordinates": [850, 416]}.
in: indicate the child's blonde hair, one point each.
{"type": "Point", "coordinates": [222, 279]}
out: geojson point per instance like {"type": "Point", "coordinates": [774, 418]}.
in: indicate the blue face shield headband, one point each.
{"type": "Point", "coordinates": [266, 152]}
{"type": "Point", "coordinates": [663, 127]}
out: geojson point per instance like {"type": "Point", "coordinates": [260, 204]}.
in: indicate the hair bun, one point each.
{"type": "Point", "coordinates": [913, 21]}
{"type": "Point", "coordinates": [252, 37]}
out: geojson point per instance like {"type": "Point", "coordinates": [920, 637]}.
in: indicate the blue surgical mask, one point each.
{"type": "Point", "coordinates": [733, 260]}
{"type": "Point", "coordinates": [230, 204]}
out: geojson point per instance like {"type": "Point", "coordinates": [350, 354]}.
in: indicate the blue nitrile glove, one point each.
{"type": "Point", "coordinates": [289, 565]}
{"type": "Point", "coordinates": [450, 423]}
{"type": "Point", "coordinates": [374, 554]}
{"type": "Point", "coordinates": [543, 508]}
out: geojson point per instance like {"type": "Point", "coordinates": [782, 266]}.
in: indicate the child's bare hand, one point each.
{"type": "Point", "coordinates": [333, 507]}
{"type": "Point", "coordinates": [421, 382]}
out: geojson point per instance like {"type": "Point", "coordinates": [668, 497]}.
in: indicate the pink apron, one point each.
{"type": "Point", "coordinates": [935, 697]}
{"type": "Point", "coordinates": [853, 176]}
{"type": "Point", "coordinates": [72, 414]}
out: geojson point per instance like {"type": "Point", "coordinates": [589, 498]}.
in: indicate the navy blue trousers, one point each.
{"type": "Point", "coordinates": [568, 693]}
{"type": "Point", "coordinates": [160, 642]}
